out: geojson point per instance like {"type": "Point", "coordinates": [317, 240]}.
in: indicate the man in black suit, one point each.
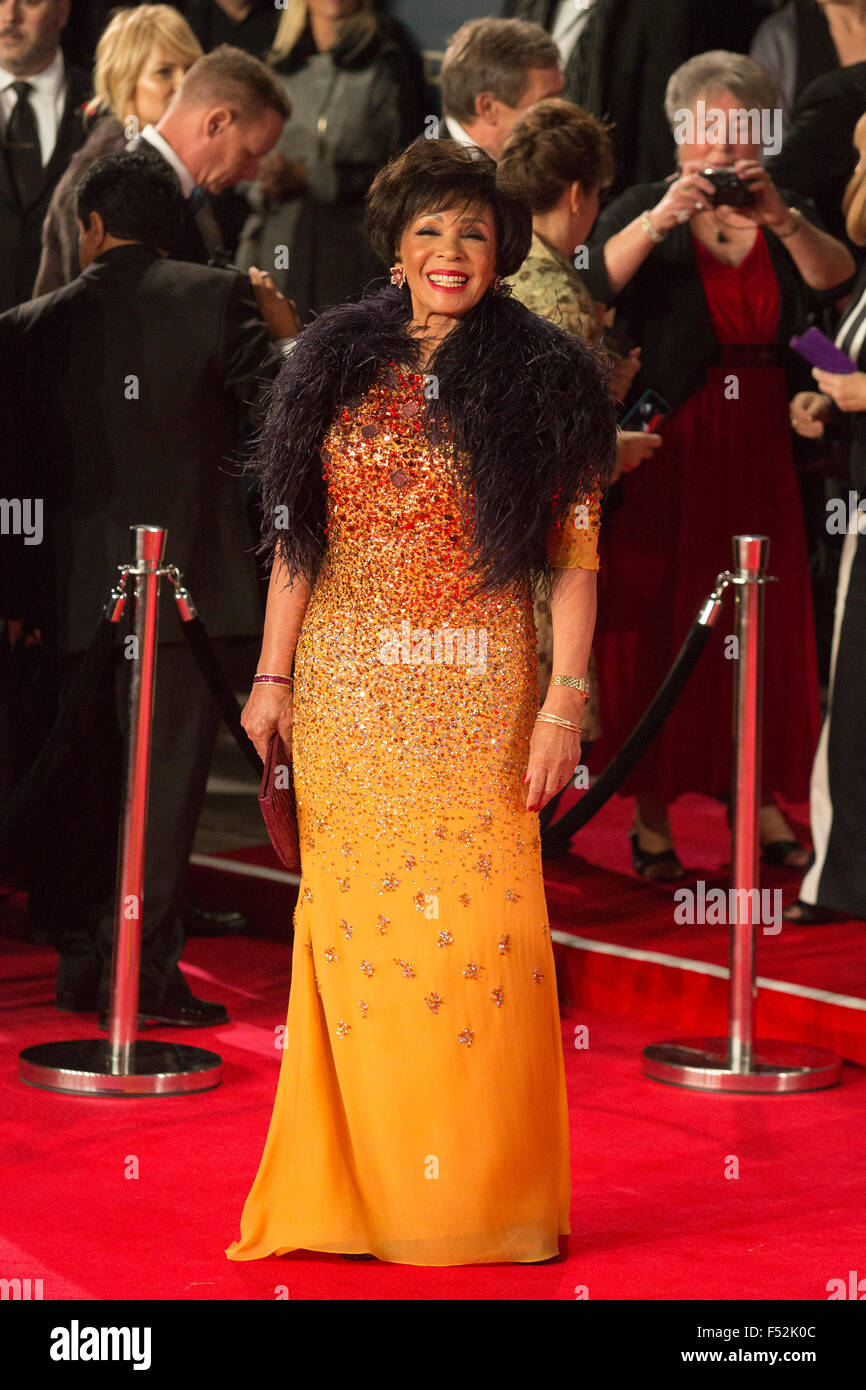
{"type": "Point", "coordinates": [127, 389]}
{"type": "Point", "coordinates": [818, 156]}
{"type": "Point", "coordinates": [227, 114]}
{"type": "Point", "coordinates": [617, 56]}
{"type": "Point", "coordinates": [41, 127]}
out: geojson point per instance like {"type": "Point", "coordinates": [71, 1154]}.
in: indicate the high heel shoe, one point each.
{"type": "Point", "coordinates": [663, 867]}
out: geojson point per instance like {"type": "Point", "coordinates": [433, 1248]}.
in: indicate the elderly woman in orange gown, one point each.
{"type": "Point", "coordinates": [428, 454]}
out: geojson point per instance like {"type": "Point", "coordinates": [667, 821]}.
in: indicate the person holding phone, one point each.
{"type": "Point", "coordinates": [835, 884]}
{"type": "Point", "coordinates": [712, 282]}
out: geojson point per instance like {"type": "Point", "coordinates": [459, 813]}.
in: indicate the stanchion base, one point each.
{"type": "Point", "coordinates": [778, 1068]}
{"type": "Point", "coordinates": [83, 1068]}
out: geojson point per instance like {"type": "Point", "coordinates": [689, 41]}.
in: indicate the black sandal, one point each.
{"type": "Point", "coordinates": [778, 852]}
{"type": "Point", "coordinates": [810, 914]}
{"type": "Point", "coordinates": [665, 860]}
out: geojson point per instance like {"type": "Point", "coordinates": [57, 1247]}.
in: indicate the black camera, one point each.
{"type": "Point", "coordinates": [730, 191]}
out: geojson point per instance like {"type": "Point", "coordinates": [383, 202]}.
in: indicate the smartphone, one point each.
{"type": "Point", "coordinates": [818, 349]}
{"type": "Point", "coordinates": [648, 412]}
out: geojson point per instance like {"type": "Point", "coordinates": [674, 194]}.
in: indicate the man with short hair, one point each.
{"type": "Point", "coordinates": [228, 113]}
{"type": "Point", "coordinates": [123, 393]}
{"type": "Point", "coordinates": [40, 130]}
{"type": "Point", "coordinates": [617, 56]}
{"type": "Point", "coordinates": [493, 71]}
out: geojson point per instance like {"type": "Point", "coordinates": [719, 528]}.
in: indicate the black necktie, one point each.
{"type": "Point", "coordinates": [23, 153]}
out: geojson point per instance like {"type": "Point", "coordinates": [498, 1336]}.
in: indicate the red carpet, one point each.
{"type": "Point", "coordinates": [620, 949]}
{"type": "Point", "coordinates": [654, 1216]}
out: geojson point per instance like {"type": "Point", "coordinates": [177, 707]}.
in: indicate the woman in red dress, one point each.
{"type": "Point", "coordinates": [713, 293]}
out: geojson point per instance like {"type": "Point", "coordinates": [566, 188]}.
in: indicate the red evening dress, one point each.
{"type": "Point", "coordinates": [726, 467]}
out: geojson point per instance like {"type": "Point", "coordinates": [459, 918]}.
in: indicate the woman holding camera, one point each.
{"type": "Point", "coordinates": [712, 273]}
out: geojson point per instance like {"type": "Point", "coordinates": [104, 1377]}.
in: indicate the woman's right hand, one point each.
{"type": "Point", "coordinates": [269, 708]}
{"type": "Point", "coordinates": [632, 447]}
{"type": "Point", "coordinates": [688, 194]}
{"type": "Point", "coordinates": [808, 411]}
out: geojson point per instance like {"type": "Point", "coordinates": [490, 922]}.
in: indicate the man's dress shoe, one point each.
{"type": "Point", "coordinates": [199, 921]}
{"type": "Point", "coordinates": [187, 1013]}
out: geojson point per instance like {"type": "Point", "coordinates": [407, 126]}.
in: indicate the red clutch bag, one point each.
{"type": "Point", "coordinates": [277, 803]}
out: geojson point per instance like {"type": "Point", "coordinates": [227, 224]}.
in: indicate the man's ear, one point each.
{"type": "Point", "coordinates": [485, 103]}
{"type": "Point", "coordinates": [218, 119]}
{"type": "Point", "coordinates": [94, 227]}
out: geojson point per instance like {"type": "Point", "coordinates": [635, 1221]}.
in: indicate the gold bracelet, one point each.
{"type": "Point", "coordinates": [575, 682]}
{"type": "Point", "coordinates": [544, 718]}
{"type": "Point", "coordinates": [799, 219]}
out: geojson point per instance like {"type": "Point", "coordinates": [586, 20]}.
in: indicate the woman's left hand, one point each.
{"type": "Point", "coordinates": [554, 754]}
{"type": "Point", "coordinates": [848, 389]}
{"type": "Point", "coordinates": [768, 209]}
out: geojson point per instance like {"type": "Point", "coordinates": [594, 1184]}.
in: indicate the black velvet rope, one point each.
{"type": "Point", "coordinates": [217, 682]}
{"type": "Point", "coordinates": [556, 835]}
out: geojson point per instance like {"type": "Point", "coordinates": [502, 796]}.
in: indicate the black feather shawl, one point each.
{"type": "Point", "coordinates": [523, 401]}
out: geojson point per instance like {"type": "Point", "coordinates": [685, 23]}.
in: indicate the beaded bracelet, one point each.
{"type": "Point", "coordinates": [268, 678]}
{"type": "Point", "coordinates": [651, 230]}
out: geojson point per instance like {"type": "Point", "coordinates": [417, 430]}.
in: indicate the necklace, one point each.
{"type": "Point", "coordinates": [719, 224]}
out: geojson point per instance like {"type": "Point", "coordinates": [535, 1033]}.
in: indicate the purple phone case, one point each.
{"type": "Point", "coordinates": [817, 348]}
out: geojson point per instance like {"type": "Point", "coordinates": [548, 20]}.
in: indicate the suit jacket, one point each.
{"type": "Point", "coordinates": [190, 245]}
{"type": "Point", "coordinates": [126, 390]}
{"type": "Point", "coordinates": [818, 156]}
{"type": "Point", "coordinates": [21, 228]}
{"type": "Point", "coordinates": [59, 261]}
{"type": "Point", "coordinates": [644, 41]}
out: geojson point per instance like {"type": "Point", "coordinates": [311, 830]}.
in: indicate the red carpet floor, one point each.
{"type": "Point", "coordinates": [654, 1215]}
{"type": "Point", "coordinates": [620, 949]}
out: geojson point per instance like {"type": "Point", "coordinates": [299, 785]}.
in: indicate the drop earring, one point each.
{"type": "Point", "coordinates": [398, 276]}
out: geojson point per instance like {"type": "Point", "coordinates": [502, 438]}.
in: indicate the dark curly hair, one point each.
{"type": "Point", "coordinates": [430, 175]}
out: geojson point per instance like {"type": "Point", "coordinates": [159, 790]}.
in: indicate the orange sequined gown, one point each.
{"type": "Point", "coordinates": [421, 1111]}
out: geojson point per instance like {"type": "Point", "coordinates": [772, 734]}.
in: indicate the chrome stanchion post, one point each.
{"type": "Point", "coordinates": [750, 563]}
{"type": "Point", "coordinates": [149, 549]}
{"type": "Point", "coordinates": [123, 1065]}
{"type": "Point", "coordinates": [739, 1062]}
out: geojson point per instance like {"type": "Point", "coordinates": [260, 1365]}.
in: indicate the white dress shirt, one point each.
{"type": "Point", "coordinates": [569, 22]}
{"type": "Point", "coordinates": [159, 142]}
{"type": "Point", "coordinates": [47, 99]}
{"type": "Point", "coordinates": [456, 131]}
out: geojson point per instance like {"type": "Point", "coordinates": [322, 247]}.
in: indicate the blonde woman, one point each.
{"type": "Point", "coordinates": [355, 90]}
{"type": "Point", "coordinates": [141, 60]}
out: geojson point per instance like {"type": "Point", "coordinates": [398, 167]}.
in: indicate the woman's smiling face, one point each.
{"type": "Point", "coordinates": [449, 257]}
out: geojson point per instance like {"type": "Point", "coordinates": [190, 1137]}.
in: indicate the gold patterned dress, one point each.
{"type": "Point", "coordinates": [421, 1111]}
